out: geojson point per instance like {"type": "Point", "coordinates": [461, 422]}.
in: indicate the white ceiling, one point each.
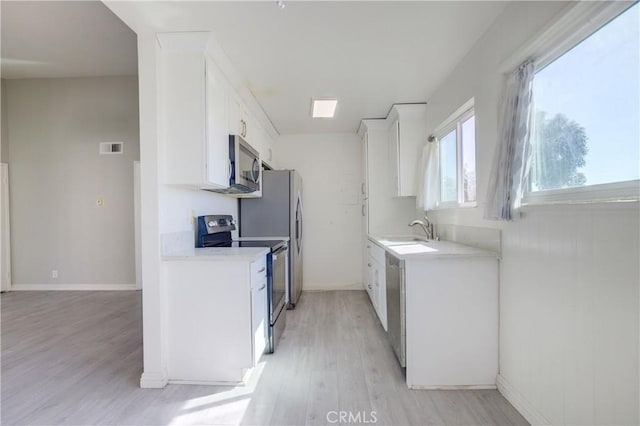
{"type": "Point", "coordinates": [368, 55]}
{"type": "Point", "coordinates": [65, 39]}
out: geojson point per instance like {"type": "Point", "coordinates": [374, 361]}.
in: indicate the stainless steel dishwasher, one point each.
{"type": "Point", "coordinates": [396, 328]}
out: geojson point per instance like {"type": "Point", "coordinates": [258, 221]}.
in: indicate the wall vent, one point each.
{"type": "Point", "coordinates": [108, 148]}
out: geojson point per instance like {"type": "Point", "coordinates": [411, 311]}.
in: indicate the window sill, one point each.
{"type": "Point", "coordinates": [620, 192]}
{"type": "Point", "coordinates": [454, 205]}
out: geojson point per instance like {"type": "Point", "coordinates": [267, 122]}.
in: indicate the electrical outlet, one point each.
{"type": "Point", "coordinates": [100, 202]}
{"type": "Point", "coordinates": [54, 273]}
{"type": "Point", "coordinates": [193, 217]}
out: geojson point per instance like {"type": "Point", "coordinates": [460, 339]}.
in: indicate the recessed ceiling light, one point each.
{"type": "Point", "coordinates": [281, 4]}
{"type": "Point", "coordinates": [324, 108]}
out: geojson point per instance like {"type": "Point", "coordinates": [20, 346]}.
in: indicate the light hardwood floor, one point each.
{"type": "Point", "coordinates": [76, 358]}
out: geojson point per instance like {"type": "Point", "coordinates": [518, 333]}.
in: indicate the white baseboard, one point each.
{"type": "Point", "coordinates": [71, 287]}
{"type": "Point", "coordinates": [452, 387]}
{"type": "Point", "coordinates": [524, 407]}
{"type": "Point", "coordinates": [153, 380]}
{"type": "Point", "coordinates": [206, 383]}
{"type": "Point", "coordinates": [332, 286]}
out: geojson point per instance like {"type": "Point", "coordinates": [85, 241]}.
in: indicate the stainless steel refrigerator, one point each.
{"type": "Point", "coordinates": [278, 214]}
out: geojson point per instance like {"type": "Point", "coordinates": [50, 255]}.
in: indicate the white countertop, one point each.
{"type": "Point", "coordinates": [427, 250]}
{"type": "Point", "coordinates": [217, 254]}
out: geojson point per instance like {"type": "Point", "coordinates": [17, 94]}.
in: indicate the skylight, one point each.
{"type": "Point", "coordinates": [324, 108]}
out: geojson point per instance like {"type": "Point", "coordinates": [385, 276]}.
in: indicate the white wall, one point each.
{"type": "Point", "coordinates": [56, 177]}
{"type": "Point", "coordinates": [569, 333]}
{"type": "Point", "coordinates": [4, 140]}
{"type": "Point", "coordinates": [331, 170]}
{"type": "Point", "coordinates": [166, 211]}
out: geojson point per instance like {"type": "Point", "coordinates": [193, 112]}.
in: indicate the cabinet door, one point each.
{"type": "Point", "coordinates": [371, 283]}
{"type": "Point", "coordinates": [217, 133]}
{"type": "Point", "coordinates": [235, 113]}
{"type": "Point", "coordinates": [365, 262]}
{"type": "Point", "coordinates": [408, 135]}
{"type": "Point", "coordinates": [381, 293]}
{"type": "Point", "coordinates": [259, 308]}
{"type": "Point", "coordinates": [248, 126]}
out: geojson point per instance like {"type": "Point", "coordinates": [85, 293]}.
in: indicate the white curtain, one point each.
{"type": "Point", "coordinates": [428, 186]}
{"type": "Point", "coordinates": [513, 152]}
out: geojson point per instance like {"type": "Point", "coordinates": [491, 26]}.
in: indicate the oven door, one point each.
{"type": "Point", "coordinates": [246, 170]}
{"type": "Point", "coordinates": [278, 283]}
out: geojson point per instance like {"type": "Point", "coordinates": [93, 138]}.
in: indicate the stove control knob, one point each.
{"type": "Point", "coordinates": [212, 224]}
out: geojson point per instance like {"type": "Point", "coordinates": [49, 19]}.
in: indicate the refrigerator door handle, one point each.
{"type": "Point", "coordinates": [299, 223]}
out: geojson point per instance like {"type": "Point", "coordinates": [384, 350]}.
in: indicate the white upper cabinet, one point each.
{"type": "Point", "coordinates": [235, 113]}
{"type": "Point", "coordinates": [408, 133]}
{"type": "Point", "coordinates": [240, 120]}
{"type": "Point", "coordinates": [194, 127]}
{"type": "Point", "coordinates": [217, 129]}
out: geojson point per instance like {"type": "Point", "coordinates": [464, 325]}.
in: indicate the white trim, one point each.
{"type": "Point", "coordinates": [5, 230]}
{"type": "Point", "coordinates": [137, 223]}
{"type": "Point", "coordinates": [73, 287]}
{"type": "Point", "coordinates": [520, 403]}
{"type": "Point", "coordinates": [205, 382]}
{"type": "Point", "coordinates": [604, 193]}
{"type": "Point", "coordinates": [452, 387]}
{"type": "Point", "coordinates": [153, 380]}
{"type": "Point", "coordinates": [457, 115]}
{"type": "Point", "coordinates": [573, 24]}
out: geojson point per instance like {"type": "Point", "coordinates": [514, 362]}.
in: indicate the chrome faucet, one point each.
{"type": "Point", "coordinates": [427, 228]}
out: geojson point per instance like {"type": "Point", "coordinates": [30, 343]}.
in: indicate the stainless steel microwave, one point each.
{"type": "Point", "coordinates": [244, 167]}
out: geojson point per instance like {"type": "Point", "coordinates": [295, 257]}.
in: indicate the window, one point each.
{"type": "Point", "coordinates": [457, 160]}
{"type": "Point", "coordinates": [587, 104]}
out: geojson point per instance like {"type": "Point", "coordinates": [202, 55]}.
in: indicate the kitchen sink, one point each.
{"type": "Point", "coordinates": [412, 248]}
{"type": "Point", "coordinates": [407, 245]}
{"type": "Point", "coordinates": [393, 241]}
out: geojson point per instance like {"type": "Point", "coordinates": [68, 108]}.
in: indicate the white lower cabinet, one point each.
{"type": "Point", "coordinates": [216, 319]}
{"type": "Point", "coordinates": [452, 323]}
{"type": "Point", "coordinates": [259, 309]}
{"type": "Point", "coordinates": [375, 282]}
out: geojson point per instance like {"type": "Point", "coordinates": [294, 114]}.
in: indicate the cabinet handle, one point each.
{"type": "Point", "coordinates": [369, 265]}
{"type": "Point", "coordinates": [262, 287]}
{"type": "Point", "coordinates": [363, 188]}
{"type": "Point", "coordinates": [363, 213]}
{"type": "Point", "coordinates": [262, 269]}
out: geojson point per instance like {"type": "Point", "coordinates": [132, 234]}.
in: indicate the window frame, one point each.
{"type": "Point", "coordinates": [454, 122]}
{"type": "Point", "coordinates": [579, 23]}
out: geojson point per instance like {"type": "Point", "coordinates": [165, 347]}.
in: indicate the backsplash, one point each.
{"type": "Point", "coordinates": [177, 241]}
{"type": "Point", "coordinates": [485, 238]}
